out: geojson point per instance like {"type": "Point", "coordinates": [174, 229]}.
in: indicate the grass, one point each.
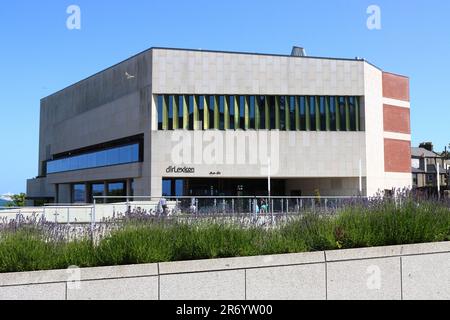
{"type": "Point", "coordinates": [147, 241]}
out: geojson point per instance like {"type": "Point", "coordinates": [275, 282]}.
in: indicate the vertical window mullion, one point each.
{"type": "Point", "coordinates": [267, 112]}
{"type": "Point", "coordinates": [185, 103]}
{"type": "Point", "coordinates": [226, 112]}
{"type": "Point", "coordinates": [196, 113]}
{"type": "Point", "coordinates": [237, 114]}
{"type": "Point", "coordinates": [216, 100]}
{"type": "Point", "coordinates": [165, 112]}
{"type": "Point", "coordinates": [277, 113]}
{"type": "Point", "coordinates": [257, 113]}
{"type": "Point", "coordinates": [247, 112]}
{"type": "Point", "coordinates": [206, 105]}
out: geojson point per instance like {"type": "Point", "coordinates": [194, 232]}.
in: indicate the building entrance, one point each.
{"type": "Point", "coordinates": [221, 187]}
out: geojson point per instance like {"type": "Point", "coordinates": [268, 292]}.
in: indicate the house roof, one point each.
{"type": "Point", "coordinates": [422, 152]}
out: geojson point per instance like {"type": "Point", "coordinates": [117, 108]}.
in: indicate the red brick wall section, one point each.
{"type": "Point", "coordinates": [396, 119]}
{"type": "Point", "coordinates": [397, 156]}
{"type": "Point", "coordinates": [395, 86]}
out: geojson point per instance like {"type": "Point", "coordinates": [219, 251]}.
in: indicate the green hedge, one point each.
{"type": "Point", "coordinates": [150, 241]}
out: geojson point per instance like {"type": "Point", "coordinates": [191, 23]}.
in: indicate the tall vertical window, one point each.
{"type": "Point", "coordinates": [342, 113]}
{"type": "Point", "coordinates": [232, 113]}
{"type": "Point", "coordinates": [191, 112]}
{"type": "Point", "coordinates": [241, 112]}
{"type": "Point", "coordinates": [160, 111]}
{"type": "Point", "coordinates": [286, 113]}
{"type": "Point", "coordinates": [272, 112]}
{"type": "Point", "coordinates": [323, 117]}
{"type": "Point", "coordinates": [253, 112]}
{"type": "Point", "coordinates": [352, 113]}
{"type": "Point", "coordinates": [170, 104]}
{"type": "Point", "coordinates": [180, 111]}
{"type": "Point", "coordinates": [332, 113]}
{"type": "Point", "coordinates": [302, 107]}
{"type": "Point", "coordinates": [283, 122]}
{"type": "Point", "coordinates": [262, 108]}
{"type": "Point", "coordinates": [292, 118]}
{"type": "Point", "coordinates": [312, 113]}
{"type": "Point", "coordinates": [221, 113]}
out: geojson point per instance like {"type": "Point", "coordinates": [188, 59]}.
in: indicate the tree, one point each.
{"type": "Point", "coordinates": [17, 200]}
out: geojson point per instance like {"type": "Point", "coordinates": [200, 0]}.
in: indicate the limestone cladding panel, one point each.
{"type": "Point", "coordinates": [197, 72]}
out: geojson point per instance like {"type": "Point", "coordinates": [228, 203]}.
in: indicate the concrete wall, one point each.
{"type": "Point", "coordinates": [293, 154]}
{"type": "Point", "coordinates": [420, 271]}
{"type": "Point", "coordinates": [197, 72]}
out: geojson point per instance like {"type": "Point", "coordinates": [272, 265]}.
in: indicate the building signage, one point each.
{"type": "Point", "coordinates": [180, 170]}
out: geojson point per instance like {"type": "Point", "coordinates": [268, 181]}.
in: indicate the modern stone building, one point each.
{"type": "Point", "coordinates": [196, 122]}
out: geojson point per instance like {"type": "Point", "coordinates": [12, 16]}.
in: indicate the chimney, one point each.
{"type": "Point", "coordinates": [427, 145]}
{"type": "Point", "coordinates": [298, 52]}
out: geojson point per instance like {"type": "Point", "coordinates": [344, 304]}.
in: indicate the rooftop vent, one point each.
{"type": "Point", "coordinates": [298, 52]}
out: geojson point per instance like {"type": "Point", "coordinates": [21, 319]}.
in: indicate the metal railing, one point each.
{"type": "Point", "coordinates": [110, 207]}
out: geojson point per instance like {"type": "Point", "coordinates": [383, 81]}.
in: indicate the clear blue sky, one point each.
{"type": "Point", "coordinates": [39, 55]}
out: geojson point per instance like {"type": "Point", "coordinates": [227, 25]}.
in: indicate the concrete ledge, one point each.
{"type": "Point", "coordinates": [218, 285]}
{"type": "Point", "coordinates": [363, 253]}
{"type": "Point", "coordinates": [417, 271]}
{"type": "Point", "coordinates": [387, 251]}
{"type": "Point", "coordinates": [142, 288]}
{"type": "Point", "coordinates": [241, 263]}
{"type": "Point", "coordinates": [48, 291]}
{"type": "Point", "coordinates": [53, 276]}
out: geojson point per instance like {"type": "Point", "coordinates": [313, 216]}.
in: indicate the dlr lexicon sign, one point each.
{"type": "Point", "coordinates": [213, 147]}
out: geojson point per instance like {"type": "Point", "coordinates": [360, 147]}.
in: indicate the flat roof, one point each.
{"type": "Point", "coordinates": [211, 51]}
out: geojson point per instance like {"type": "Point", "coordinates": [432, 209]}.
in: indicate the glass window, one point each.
{"type": "Point", "coordinates": [283, 124]}
{"type": "Point", "coordinates": [166, 187]}
{"type": "Point", "coordinates": [272, 112]}
{"type": "Point", "coordinates": [116, 189]}
{"type": "Point", "coordinates": [191, 112]}
{"type": "Point", "coordinates": [160, 111]}
{"type": "Point", "coordinates": [180, 101]}
{"type": "Point", "coordinates": [221, 112]}
{"type": "Point", "coordinates": [211, 112]}
{"type": "Point", "coordinates": [110, 157]}
{"type": "Point", "coordinates": [352, 113]}
{"type": "Point", "coordinates": [342, 113]}
{"type": "Point", "coordinates": [332, 102]}
{"type": "Point", "coordinates": [179, 187]}
{"type": "Point", "coordinates": [323, 117]}
{"type": "Point", "coordinates": [302, 106]}
{"type": "Point", "coordinates": [252, 112]}
{"type": "Point", "coordinates": [97, 190]}
{"type": "Point", "coordinates": [170, 105]}
{"type": "Point", "coordinates": [292, 119]}
{"type": "Point", "coordinates": [79, 193]}
{"type": "Point", "coordinates": [231, 107]}
{"type": "Point", "coordinates": [241, 112]}
{"type": "Point", "coordinates": [262, 113]}
{"type": "Point", "coordinates": [312, 113]}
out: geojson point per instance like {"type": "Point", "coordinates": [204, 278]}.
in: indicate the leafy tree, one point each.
{"type": "Point", "coordinates": [17, 200]}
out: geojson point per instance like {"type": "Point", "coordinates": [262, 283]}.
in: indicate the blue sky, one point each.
{"type": "Point", "coordinates": [39, 55]}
